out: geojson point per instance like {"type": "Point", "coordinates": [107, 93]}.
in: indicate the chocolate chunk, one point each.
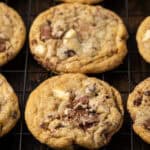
{"type": "Point", "coordinates": [14, 115]}
{"type": "Point", "coordinates": [107, 96]}
{"type": "Point", "coordinates": [85, 126]}
{"type": "Point", "coordinates": [53, 116]}
{"type": "Point", "coordinates": [138, 101]}
{"type": "Point", "coordinates": [82, 118]}
{"type": "Point", "coordinates": [44, 125]}
{"type": "Point", "coordinates": [70, 53]}
{"type": "Point", "coordinates": [80, 102]}
{"type": "Point", "coordinates": [94, 24]}
{"type": "Point", "coordinates": [92, 111]}
{"type": "Point", "coordinates": [2, 45]}
{"type": "Point", "coordinates": [75, 114]}
{"type": "Point", "coordinates": [83, 100]}
{"type": "Point", "coordinates": [59, 126]}
{"type": "Point", "coordinates": [147, 124]}
{"type": "Point", "coordinates": [147, 93]}
{"type": "Point", "coordinates": [34, 41]}
{"type": "Point", "coordinates": [88, 121]}
{"type": "Point", "coordinates": [45, 31]}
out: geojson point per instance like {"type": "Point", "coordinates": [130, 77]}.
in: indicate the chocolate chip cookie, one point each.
{"type": "Point", "coordinates": [143, 39]}
{"type": "Point", "coordinates": [73, 109]}
{"type": "Point", "coordinates": [82, 1]}
{"type": "Point", "coordinates": [12, 33]}
{"type": "Point", "coordinates": [9, 107]}
{"type": "Point", "coordinates": [71, 38]}
{"type": "Point", "coordinates": [139, 109]}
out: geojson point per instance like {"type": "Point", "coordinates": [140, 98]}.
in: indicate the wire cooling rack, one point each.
{"type": "Point", "coordinates": [25, 74]}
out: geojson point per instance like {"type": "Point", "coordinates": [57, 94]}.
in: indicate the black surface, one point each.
{"type": "Point", "coordinates": [25, 74]}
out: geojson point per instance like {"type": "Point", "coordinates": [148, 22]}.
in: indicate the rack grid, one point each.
{"type": "Point", "coordinates": [25, 74]}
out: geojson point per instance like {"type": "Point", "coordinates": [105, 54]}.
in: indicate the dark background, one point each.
{"type": "Point", "coordinates": [25, 74]}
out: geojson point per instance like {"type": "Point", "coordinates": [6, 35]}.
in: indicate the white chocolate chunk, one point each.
{"type": "Point", "coordinates": [40, 50]}
{"type": "Point", "coordinates": [71, 40]}
{"type": "Point", "coordinates": [67, 111]}
{"type": "Point", "coordinates": [61, 94]}
{"type": "Point", "coordinates": [70, 34]}
{"type": "Point", "coordinates": [146, 36]}
{"type": "Point", "coordinates": [72, 44]}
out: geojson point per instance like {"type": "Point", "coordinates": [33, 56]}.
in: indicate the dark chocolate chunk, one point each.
{"type": "Point", "coordinates": [138, 101]}
{"type": "Point", "coordinates": [147, 124]}
{"type": "Point", "coordinates": [45, 31]}
{"type": "Point", "coordinates": [53, 116]}
{"type": "Point", "coordinates": [92, 111]}
{"type": "Point", "coordinates": [2, 45]}
{"type": "Point", "coordinates": [147, 93]}
{"type": "Point", "coordinates": [44, 125]}
{"type": "Point", "coordinates": [70, 53]}
{"type": "Point", "coordinates": [107, 96]}
{"type": "Point", "coordinates": [84, 100]}
{"type": "Point", "coordinates": [34, 41]}
{"type": "Point", "coordinates": [88, 122]}
{"type": "Point", "coordinates": [59, 126]}
{"type": "Point", "coordinates": [85, 126]}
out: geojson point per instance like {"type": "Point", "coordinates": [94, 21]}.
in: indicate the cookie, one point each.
{"type": "Point", "coordinates": [78, 38]}
{"type": "Point", "coordinates": [12, 33]}
{"type": "Point", "coordinates": [139, 109]}
{"type": "Point", "coordinates": [143, 39]}
{"type": "Point", "coordinates": [73, 109]}
{"type": "Point", "coordinates": [9, 107]}
{"type": "Point", "coordinates": [82, 1]}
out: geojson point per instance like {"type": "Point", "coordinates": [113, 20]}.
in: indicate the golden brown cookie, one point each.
{"type": "Point", "coordinates": [12, 33]}
{"type": "Point", "coordinates": [74, 109]}
{"type": "Point", "coordinates": [82, 1]}
{"type": "Point", "coordinates": [139, 109]}
{"type": "Point", "coordinates": [9, 107]}
{"type": "Point", "coordinates": [71, 38]}
{"type": "Point", "coordinates": [143, 39]}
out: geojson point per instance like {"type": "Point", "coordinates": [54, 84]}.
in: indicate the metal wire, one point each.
{"type": "Point", "coordinates": [25, 71]}
{"type": "Point", "coordinates": [25, 77]}
{"type": "Point", "coordinates": [129, 74]}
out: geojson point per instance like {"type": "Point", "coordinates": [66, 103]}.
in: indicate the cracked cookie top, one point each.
{"type": "Point", "coordinates": [139, 108]}
{"type": "Point", "coordinates": [9, 107]}
{"type": "Point", "coordinates": [78, 38]}
{"type": "Point", "coordinates": [74, 109]}
{"type": "Point", "coordinates": [12, 33]}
